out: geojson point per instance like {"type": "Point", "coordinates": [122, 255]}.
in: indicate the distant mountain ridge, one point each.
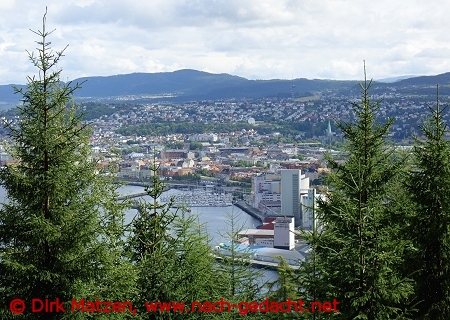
{"type": "Point", "coordinates": [181, 82]}
{"type": "Point", "coordinates": [395, 79]}
{"type": "Point", "coordinates": [442, 79]}
{"type": "Point", "coordinates": [189, 85]}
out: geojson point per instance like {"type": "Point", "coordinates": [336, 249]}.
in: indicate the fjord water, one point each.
{"type": "Point", "coordinates": [215, 219]}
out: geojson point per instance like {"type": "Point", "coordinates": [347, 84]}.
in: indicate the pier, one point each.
{"type": "Point", "coordinates": [203, 200]}
{"type": "Point", "coordinates": [131, 196]}
{"type": "Point", "coordinates": [255, 213]}
{"type": "Point", "coordinates": [261, 264]}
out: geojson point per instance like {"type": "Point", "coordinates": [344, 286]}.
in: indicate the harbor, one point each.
{"type": "Point", "coordinates": [202, 197]}
{"type": "Point", "coordinates": [214, 211]}
{"type": "Point", "coordinates": [214, 218]}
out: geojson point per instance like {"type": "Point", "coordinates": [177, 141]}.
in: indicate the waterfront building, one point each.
{"type": "Point", "coordinates": [284, 237]}
{"type": "Point", "coordinates": [266, 193]}
{"type": "Point", "coordinates": [254, 234]}
{"type": "Point", "coordinates": [262, 256]}
{"type": "Point", "coordinates": [263, 242]}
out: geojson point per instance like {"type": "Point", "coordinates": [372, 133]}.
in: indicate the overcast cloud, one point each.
{"type": "Point", "coordinates": [255, 39]}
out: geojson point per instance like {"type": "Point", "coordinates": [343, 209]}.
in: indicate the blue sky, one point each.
{"type": "Point", "coordinates": [255, 39]}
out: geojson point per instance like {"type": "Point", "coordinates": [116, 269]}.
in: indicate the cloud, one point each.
{"type": "Point", "coordinates": [434, 53]}
{"type": "Point", "coordinates": [254, 39]}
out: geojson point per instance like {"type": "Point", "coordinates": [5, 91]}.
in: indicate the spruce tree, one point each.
{"type": "Point", "coordinates": [238, 279]}
{"type": "Point", "coordinates": [171, 255]}
{"type": "Point", "coordinates": [357, 252]}
{"type": "Point", "coordinates": [429, 190]}
{"type": "Point", "coordinates": [61, 226]}
{"type": "Point", "coordinates": [195, 275]}
{"type": "Point", "coordinates": [283, 289]}
{"type": "Point", "coordinates": [152, 248]}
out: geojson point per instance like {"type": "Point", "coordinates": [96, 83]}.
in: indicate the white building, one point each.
{"type": "Point", "coordinates": [204, 137]}
{"type": "Point", "coordinates": [283, 235]}
{"type": "Point", "coordinates": [268, 243]}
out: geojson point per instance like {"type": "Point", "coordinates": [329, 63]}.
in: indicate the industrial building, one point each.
{"type": "Point", "coordinates": [293, 185]}
{"type": "Point", "coordinates": [282, 236]}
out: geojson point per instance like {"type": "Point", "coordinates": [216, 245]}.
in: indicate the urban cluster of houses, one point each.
{"type": "Point", "coordinates": [219, 159]}
{"type": "Point", "coordinates": [409, 112]}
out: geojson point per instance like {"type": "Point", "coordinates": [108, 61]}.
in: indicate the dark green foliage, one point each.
{"type": "Point", "coordinates": [195, 145]}
{"type": "Point", "coordinates": [61, 224]}
{"type": "Point", "coordinates": [94, 110]}
{"type": "Point", "coordinates": [190, 177]}
{"type": "Point", "coordinates": [172, 256]}
{"type": "Point", "coordinates": [357, 254]}
{"type": "Point", "coordinates": [153, 248]}
{"type": "Point", "coordinates": [166, 128]}
{"type": "Point", "coordinates": [285, 287]}
{"type": "Point", "coordinates": [206, 172]}
{"type": "Point", "coordinates": [238, 280]}
{"type": "Point", "coordinates": [247, 164]}
{"type": "Point", "coordinates": [428, 186]}
{"type": "Point", "coordinates": [195, 273]}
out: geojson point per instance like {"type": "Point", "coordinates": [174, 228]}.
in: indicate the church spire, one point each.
{"type": "Point", "coordinates": [330, 134]}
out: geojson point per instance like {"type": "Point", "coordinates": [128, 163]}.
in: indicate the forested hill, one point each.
{"type": "Point", "coordinates": [187, 85]}
{"type": "Point", "coordinates": [192, 85]}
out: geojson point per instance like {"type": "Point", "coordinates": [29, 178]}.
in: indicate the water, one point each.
{"type": "Point", "coordinates": [215, 219]}
{"type": "Point", "coordinates": [2, 195]}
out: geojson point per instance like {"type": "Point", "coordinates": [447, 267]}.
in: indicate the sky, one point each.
{"type": "Point", "coordinates": [254, 39]}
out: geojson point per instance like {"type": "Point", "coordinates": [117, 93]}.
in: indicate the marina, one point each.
{"type": "Point", "coordinates": [199, 198]}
